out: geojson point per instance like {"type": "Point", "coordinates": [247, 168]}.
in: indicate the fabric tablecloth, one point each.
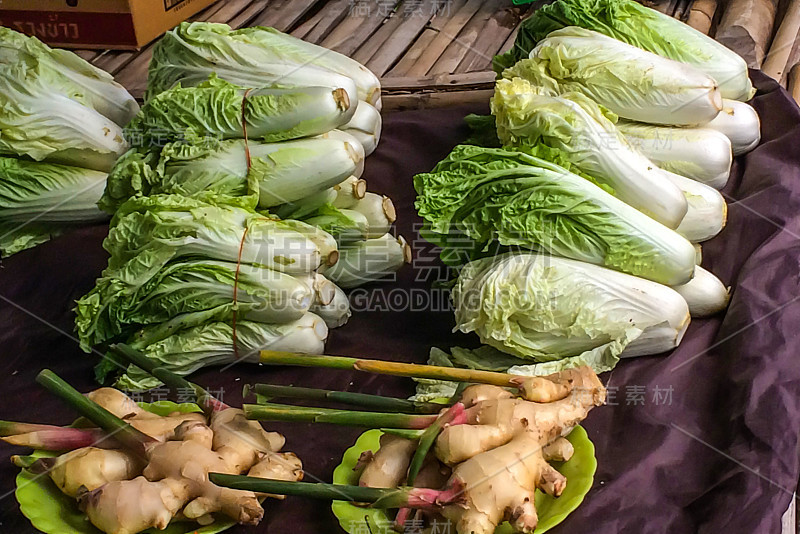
{"type": "Point", "coordinates": [703, 440]}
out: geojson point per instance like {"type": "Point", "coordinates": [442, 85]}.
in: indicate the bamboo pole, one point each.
{"type": "Point", "coordinates": [794, 83]}
{"type": "Point", "coordinates": [746, 28]}
{"type": "Point", "coordinates": [304, 414]}
{"type": "Point", "coordinates": [777, 59]}
{"type": "Point", "coordinates": [412, 370]}
{"type": "Point", "coordinates": [379, 497]}
{"type": "Point", "coordinates": [701, 15]}
{"type": "Point", "coordinates": [363, 400]}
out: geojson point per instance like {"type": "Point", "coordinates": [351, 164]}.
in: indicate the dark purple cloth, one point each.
{"type": "Point", "coordinates": [704, 440]}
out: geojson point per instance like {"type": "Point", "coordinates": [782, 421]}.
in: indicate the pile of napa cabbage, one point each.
{"type": "Point", "coordinates": [575, 213]}
{"type": "Point", "coordinates": [239, 212]}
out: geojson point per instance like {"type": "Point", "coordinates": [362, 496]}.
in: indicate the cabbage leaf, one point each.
{"type": "Point", "coordinates": [632, 83]}
{"type": "Point", "coordinates": [40, 200]}
{"type": "Point", "coordinates": [640, 26]}
{"type": "Point", "coordinates": [585, 134]}
{"type": "Point", "coordinates": [550, 309]}
{"type": "Point", "coordinates": [480, 196]}
{"type": "Point", "coordinates": [114, 306]}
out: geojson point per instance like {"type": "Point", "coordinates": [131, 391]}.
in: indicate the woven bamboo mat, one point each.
{"type": "Point", "coordinates": [428, 53]}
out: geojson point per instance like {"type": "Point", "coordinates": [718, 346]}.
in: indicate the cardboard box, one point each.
{"type": "Point", "coordinates": [120, 24]}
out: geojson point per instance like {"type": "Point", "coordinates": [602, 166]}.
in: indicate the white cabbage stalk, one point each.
{"type": "Point", "coordinates": [379, 211]}
{"type": "Point", "coordinates": [631, 82]}
{"type": "Point", "coordinates": [306, 206]}
{"type": "Point", "coordinates": [365, 126]}
{"type": "Point", "coordinates": [354, 143]}
{"type": "Point", "coordinates": [366, 261]}
{"type": "Point", "coordinates": [565, 312]}
{"type": "Point", "coordinates": [577, 127]}
{"type": "Point", "coordinates": [211, 344]}
{"type": "Point", "coordinates": [740, 122]}
{"type": "Point", "coordinates": [47, 126]}
{"type": "Point", "coordinates": [254, 57]}
{"type": "Point", "coordinates": [708, 211]}
{"type": "Point", "coordinates": [336, 312]}
{"type": "Point", "coordinates": [312, 169]}
{"type": "Point", "coordinates": [322, 290]}
{"type": "Point", "coordinates": [349, 192]}
{"type": "Point", "coordinates": [69, 74]}
{"type": "Point", "coordinates": [705, 293]}
{"type": "Point", "coordinates": [322, 240]}
{"type": "Point", "coordinates": [702, 154]}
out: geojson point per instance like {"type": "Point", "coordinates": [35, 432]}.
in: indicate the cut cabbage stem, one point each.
{"type": "Point", "coordinates": [204, 399]}
{"type": "Point", "coordinates": [379, 211]}
{"type": "Point", "coordinates": [705, 293]}
{"type": "Point", "coordinates": [124, 433]}
{"type": "Point", "coordinates": [364, 400]}
{"type": "Point", "coordinates": [423, 498]}
{"type": "Point", "coordinates": [305, 414]}
{"type": "Point", "coordinates": [537, 389]}
{"type": "Point", "coordinates": [349, 192]}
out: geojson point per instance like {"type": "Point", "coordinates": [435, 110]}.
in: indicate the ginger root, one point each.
{"type": "Point", "coordinates": [131, 506]}
{"type": "Point", "coordinates": [499, 485]}
{"type": "Point", "coordinates": [174, 476]}
{"type": "Point", "coordinates": [89, 468]}
{"type": "Point", "coordinates": [389, 466]}
{"type": "Point", "coordinates": [501, 455]}
{"type": "Point", "coordinates": [498, 449]}
{"type": "Point", "coordinates": [241, 441]}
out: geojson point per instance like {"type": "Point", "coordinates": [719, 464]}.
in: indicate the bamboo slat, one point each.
{"type": "Point", "coordinates": [427, 52]}
{"type": "Point", "coordinates": [246, 15]}
{"type": "Point", "coordinates": [320, 24]}
{"type": "Point", "coordinates": [227, 11]}
{"type": "Point", "coordinates": [284, 14]}
{"type": "Point", "coordinates": [364, 19]}
{"type": "Point", "coordinates": [701, 15]}
{"type": "Point", "coordinates": [413, 54]}
{"type": "Point", "coordinates": [794, 83]}
{"type": "Point", "coordinates": [746, 28]}
{"type": "Point", "coordinates": [464, 42]}
{"type": "Point", "coordinates": [490, 38]}
{"type": "Point", "coordinates": [776, 62]}
{"type": "Point", "coordinates": [447, 29]}
{"type": "Point", "coordinates": [401, 39]}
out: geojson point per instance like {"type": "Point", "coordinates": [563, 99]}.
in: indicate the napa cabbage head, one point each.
{"type": "Point", "coordinates": [217, 171]}
{"type": "Point", "coordinates": [67, 74]}
{"type": "Point", "coordinates": [40, 122]}
{"type": "Point", "coordinates": [195, 291]}
{"type": "Point", "coordinates": [39, 200]}
{"type": "Point", "coordinates": [478, 197]}
{"type": "Point", "coordinates": [632, 83]}
{"type": "Point", "coordinates": [640, 26]}
{"type": "Point", "coordinates": [212, 344]}
{"type": "Point", "coordinates": [585, 134]}
{"type": "Point", "coordinates": [569, 313]}
{"type": "Point", "coordinates": [253, 57]}
{"type": "Point", "coordinates": [223, 110]}
{"type": "Point", "coordinates": [148, 232]}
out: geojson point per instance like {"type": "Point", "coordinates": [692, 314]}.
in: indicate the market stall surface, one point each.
{"type": "Point", "coordinates": [703, 440]}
